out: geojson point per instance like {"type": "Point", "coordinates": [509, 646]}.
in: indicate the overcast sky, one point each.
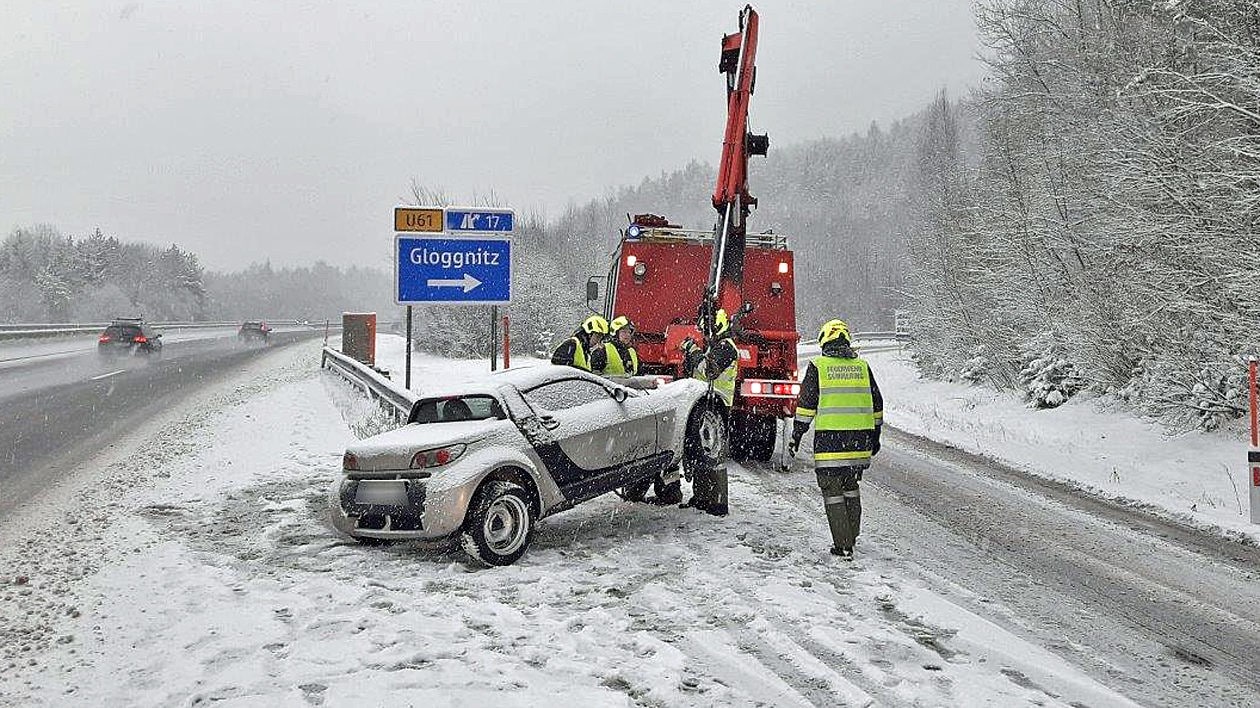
{"type": "Point", "coordinates": [247, 130]}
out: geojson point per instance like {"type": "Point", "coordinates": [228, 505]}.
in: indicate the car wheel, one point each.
{"type": "Point", "coordinates": [706, 436]}
{"type": "Point", "coordinates": [499, 525]}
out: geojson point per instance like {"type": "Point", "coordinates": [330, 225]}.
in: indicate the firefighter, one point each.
{"type": "Point", "coordinates": [623, 360]}
{"type": "Point", "coordinates": [717, 363]}
{"type": "Point", "coordinates": [583, 350]}
{"type": "Point", "coordinates": [840, 398]}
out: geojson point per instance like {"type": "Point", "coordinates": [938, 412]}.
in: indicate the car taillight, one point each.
{"type": "Point", "coordinates": [349, 461]}
{"type": "Point", "coordinates": [104, 339]}
{"type": "Point", "coordinates": [140, 339]}
{"type": "Point", "coordinates": [436, 457]}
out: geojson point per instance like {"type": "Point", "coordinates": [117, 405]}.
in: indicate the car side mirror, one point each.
{"type": "Point", "coordinates": [619, 395]}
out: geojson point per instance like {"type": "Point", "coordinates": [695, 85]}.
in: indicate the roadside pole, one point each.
{"type": "Point", "coordinates": [494, 337]}
{"type": "Point", "coordinates": [408, 383]}
{"type": "Point", "coordinates": [507, 344]}
{"type": "Point", "coordinates": [1253, 454]}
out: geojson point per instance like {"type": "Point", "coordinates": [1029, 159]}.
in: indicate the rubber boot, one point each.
{"type": "Point", "coordinates": [853, 505]}
{"type": "Point", "coordinates": [708, 491]}
{"type": "Point", "coordinates": [718, 506]}
{"type": "Point", "coordinates": [843, 531]}
{"type": "Point", "coordinates": [667, 493]}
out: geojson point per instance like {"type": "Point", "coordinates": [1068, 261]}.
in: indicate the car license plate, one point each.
{"type": "Point", "coordinates": [390, 492]}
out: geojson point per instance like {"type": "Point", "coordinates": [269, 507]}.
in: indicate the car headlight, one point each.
{"type": "Point", "coordinates": [436, 457]}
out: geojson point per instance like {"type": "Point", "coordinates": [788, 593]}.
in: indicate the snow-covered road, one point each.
{"type": "Point", "coordinates": [193, 565]}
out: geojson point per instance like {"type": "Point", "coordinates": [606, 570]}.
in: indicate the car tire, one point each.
{"type": "Point", "coordinates": [706, 440]}
{"type": "Point", "coordinates": [499, 524]}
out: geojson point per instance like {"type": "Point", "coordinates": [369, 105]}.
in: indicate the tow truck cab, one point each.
{"type": "Point", "coordinates": [657, 279]}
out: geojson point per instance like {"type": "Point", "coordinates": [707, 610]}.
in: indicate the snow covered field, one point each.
{"type": "Point", "coordinates": [1198, 478]}
{"type": "Point", "coordinates": [206, 572]}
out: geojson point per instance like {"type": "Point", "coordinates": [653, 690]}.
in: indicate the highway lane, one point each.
{"type": "Point", "coordinates": [1164, 614]}
{"type": "Point", "coordinates": [54, 412]}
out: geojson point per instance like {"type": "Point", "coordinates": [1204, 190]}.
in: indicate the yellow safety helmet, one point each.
{"type": "Point", "coordinates": [721, 322]}
{"type": "Point", "coordinates": [833, 330]}
{"type": "Point", "coordinates": [595, 325]}
{"type": "Point", "coordinates": [619, 322]}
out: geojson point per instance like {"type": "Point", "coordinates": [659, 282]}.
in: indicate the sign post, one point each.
{"type": "Point", "coordinates": [1253, 454]}
{"type": "Point", "coordinates": [408, 383]}
{"type": "Point", "coordinates": [453, 256]}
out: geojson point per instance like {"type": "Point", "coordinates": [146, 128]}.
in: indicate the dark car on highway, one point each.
{"type": "Point", "coordinates": [126, 336]}
{"type": "Point", "coordinates": [254, 332]}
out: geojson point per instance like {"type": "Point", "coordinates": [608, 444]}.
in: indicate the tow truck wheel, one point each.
{"type": "Point", "coordinates": [761, 432]}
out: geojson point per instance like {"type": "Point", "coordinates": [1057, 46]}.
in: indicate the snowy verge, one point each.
{"type": "Point", "coordinates": [1196, 478]}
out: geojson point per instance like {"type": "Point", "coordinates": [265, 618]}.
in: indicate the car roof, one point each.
{"type": "Point", "coordinates": [522, 377]}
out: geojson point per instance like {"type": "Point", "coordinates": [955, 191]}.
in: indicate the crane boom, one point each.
{"type": "Point", "coordinates": [730, 196]}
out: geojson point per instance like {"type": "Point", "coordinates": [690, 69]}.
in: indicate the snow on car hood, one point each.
{"type": "Point", "coordinates": [393, 450]}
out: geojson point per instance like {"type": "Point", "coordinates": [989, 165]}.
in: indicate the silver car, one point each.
{"type": "Point", "coordinates": [480, 465]}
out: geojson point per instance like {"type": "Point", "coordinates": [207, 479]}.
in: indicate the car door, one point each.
{"type": "Point", "coordinates": [592, 442]}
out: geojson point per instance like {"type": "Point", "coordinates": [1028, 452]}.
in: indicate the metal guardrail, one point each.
{"type": "Point", "coordinates": [371, 381]}
{"type": "Point", "coordinates": [33, 331]}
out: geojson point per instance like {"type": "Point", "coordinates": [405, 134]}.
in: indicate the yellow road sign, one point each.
{"type": "Point", "coordinates": [417, 219]}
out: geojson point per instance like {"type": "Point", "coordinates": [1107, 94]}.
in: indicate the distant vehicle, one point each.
{"type": "Point", "coordinates": [481, 465]}
{"type": "Point", "coordinates": [129, 336]}
{"type": "Point", "coordinates": [254, 332]}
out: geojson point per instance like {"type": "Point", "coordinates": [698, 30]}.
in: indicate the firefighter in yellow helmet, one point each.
{"type": "Point", "coordinates": [584, 350]}
{"type": "Point", "coordinates": [717, 363]}
{"type": "Point", "coordinates": [840, 398]}
{"type": "Point", "coordinates": [623, 360]}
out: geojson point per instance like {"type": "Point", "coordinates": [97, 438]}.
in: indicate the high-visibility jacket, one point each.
{"type": "Point", "coordinates": [724, 354]}
{"type": "Point", "coordinates": [840, 397]}
{"type": "Point", "coordinates": [622, 360]}
{"type": "Point", "coordinates": [571, 353]}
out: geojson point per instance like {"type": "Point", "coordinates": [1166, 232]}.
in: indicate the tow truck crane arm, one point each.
{"type": "Point", "coordinates": [730, 197]}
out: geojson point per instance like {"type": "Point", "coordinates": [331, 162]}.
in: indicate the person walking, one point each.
{"type": "Point", "coordinates": [840, 398]}
{"type": "Point", "coordinates": [584, 350]}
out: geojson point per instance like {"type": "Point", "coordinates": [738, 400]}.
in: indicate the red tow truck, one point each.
{"type": "Point", "coordinates": [669, 280]}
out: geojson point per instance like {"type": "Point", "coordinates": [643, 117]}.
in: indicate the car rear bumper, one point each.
{"type": "Point", "coordinates": [432, 513]}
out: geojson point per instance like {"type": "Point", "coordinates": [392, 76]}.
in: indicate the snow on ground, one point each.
{"type": "Point", "coordinates": [1196, 477]}
{"type": "Point", "coordinates": [206, 572]}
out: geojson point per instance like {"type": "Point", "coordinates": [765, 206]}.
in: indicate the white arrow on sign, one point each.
{"type": "Point", "coordinates": [467, 283]}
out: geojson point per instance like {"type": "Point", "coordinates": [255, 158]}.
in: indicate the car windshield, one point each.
{"type": "Point", "coordinates": [456, 408]}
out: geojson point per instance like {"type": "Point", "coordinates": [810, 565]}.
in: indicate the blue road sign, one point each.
{"type": "Point", "coordinates": [457, 271]}
{"type": "Point", "coordinates": [474, 221]}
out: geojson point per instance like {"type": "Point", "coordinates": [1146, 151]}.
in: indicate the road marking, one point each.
{"type": "Point", "coordinates": [112, 373]}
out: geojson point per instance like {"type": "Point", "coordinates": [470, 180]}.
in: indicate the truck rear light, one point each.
{"type": "Point", "coordinates": [783, 266]}
{"type": "Point", "coordinates": [631, 260]}
{"type": "Point", "coordinates": [640, 270]}
{"type": "Point", "coordinates": [771, 389]}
